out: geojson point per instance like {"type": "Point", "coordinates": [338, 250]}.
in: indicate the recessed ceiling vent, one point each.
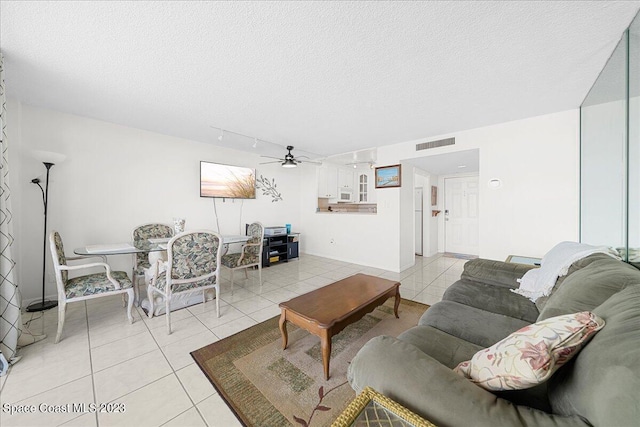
{"type": "Point", "coordinates": [435, 144]}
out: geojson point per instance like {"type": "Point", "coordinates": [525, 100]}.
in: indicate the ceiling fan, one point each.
{"type": "Point", "coordinates": [289, 160]}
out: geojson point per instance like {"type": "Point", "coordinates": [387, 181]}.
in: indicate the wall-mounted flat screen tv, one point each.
{"type": "Point", "coordinates": [229, 182]}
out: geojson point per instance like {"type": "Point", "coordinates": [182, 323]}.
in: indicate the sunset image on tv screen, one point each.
{"type": "Point", "coordinates": [232, 182]}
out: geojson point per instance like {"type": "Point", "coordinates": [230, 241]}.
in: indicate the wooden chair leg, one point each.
{"type": "Point", "coordinates": [246, 274]}
{"type": "Point", "coordinates": [61, 313]}
{"type": "Point", "coordinates": [260, 274]}
{"type": "Point", "coordinates": [232, 281]}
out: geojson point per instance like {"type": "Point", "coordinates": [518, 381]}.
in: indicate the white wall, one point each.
{"type": "Point", "coordinates": [407, 217]}
{"type": "Point", "coordinates": [536, 207]}
{"type": "Point", "coordinates": [115, 178]}
{"type": "Point", "coordinates": [634, 173]}
{"type": "Point", "coordinates": [537, 161]}
{"type": "Point", "coordinates": [367, 239]}
{"type": "Point", "coordinates": [421, 180]}
{"type": "Point", "coordinates": [434, 220]}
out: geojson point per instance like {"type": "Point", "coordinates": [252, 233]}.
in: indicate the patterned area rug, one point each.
{"type": "Point", "coordinates": [267, 386]}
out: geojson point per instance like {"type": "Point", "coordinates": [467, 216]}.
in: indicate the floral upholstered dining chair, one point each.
{"type": "Point", "coordinates": [193, 265]}
{"type": "Point", "coordinates": [88, 286]}
{"type": "Point", "coordinates": [141, 259]}
{"type": "Point", "coordinates": [249, 256]}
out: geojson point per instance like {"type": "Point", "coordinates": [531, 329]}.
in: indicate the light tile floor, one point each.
{"type": "Point", "coordinates": [103, 359]}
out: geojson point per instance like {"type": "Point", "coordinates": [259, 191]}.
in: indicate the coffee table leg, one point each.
{"type": "Point", "coordinates": [325, 341]}
{"type": "Point", "coordinates": [283, 328]}
{"type": "Point", "coordinates": [397, 303]}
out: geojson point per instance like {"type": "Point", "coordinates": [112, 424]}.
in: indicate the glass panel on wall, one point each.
{"type": "Point", "coordinates": [634, 143]}
{"type": "Point", "coordinates": [603, 132]}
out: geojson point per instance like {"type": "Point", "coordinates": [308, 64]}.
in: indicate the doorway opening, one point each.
{"type": "Point", "coordinates": [455, 232]}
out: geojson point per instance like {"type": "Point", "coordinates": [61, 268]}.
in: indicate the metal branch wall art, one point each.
{"type": "Point", "coordinates": [269, 188]}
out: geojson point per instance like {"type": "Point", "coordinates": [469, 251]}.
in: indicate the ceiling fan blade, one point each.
{"type": "Point", "coordinates": [268, 163]}
{"type": "Point", "coordinates": [277, 158]}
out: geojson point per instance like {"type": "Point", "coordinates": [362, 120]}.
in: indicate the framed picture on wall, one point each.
{"type": "Point", "coordinates": [434, 195]}
{"type": "Point", "coordinates": [388, 176]}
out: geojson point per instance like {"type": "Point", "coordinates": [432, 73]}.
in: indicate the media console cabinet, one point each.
{"type": "Point", "coordinates": [278, 248]}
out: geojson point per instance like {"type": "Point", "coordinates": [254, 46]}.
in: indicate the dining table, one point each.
{"type": "Point", "coordinates": [146, 246]}
{"type": "Point", "coordinates": [153, 247]}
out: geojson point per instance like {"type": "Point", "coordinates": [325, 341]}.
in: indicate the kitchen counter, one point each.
{"type": "Point", "coordinates": [346, 208]}
{"type": "Point", "coordinates": [346, 213]}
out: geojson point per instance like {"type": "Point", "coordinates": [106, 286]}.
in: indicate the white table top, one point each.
{"type": "Point", "coordinates": [156, 245]}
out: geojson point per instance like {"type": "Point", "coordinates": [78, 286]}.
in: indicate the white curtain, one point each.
{"type": "Point", "coordinates": [10, 319]}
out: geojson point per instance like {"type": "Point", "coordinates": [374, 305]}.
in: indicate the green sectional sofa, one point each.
{"type": "Point", "coordinates": [598, 387]}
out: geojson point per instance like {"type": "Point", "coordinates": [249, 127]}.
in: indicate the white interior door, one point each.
{"type": "Point", "coordinates": [418, 220]}
{"type": "Point", "coordinates": [461, 215]}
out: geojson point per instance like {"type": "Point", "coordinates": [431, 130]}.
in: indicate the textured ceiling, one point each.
{"type": "Point", "coordinates": [326, 77]}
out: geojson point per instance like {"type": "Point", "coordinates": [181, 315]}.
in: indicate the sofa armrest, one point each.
{"type": "Point", "coordinates": [402, 372]}
{"type": "Point", "coordinates": [494, 272]}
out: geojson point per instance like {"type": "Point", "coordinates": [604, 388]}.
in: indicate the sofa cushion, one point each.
{"type": "Point", "coordinates": [532, 354]}
{"type": "Point", "coordinates": [494, 272]}
{"type": "Point", "coordinates": [445, 348]}
{"type": "Point", "coordinates": [601, 384]}
{"type": "Point", "coordinates": [590, 286]}
{"type": "Point", "coordinates": [471, 324]}
{"type": "Point", "coordinates": [420, 383]}
{"type": "Point", "coordinates": [497, 299]}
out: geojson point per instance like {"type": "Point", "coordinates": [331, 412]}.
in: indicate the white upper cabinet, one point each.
{"type": "Point", "coordinates": [345, 178]}
{"type": "Point", "coordinates": [328, 181]}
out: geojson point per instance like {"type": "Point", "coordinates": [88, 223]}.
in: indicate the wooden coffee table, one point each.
{"type": "Point", "coordinates": [328, 310]}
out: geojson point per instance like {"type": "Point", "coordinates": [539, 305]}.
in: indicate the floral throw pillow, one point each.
{"type": "Point", "coordinates": [532, 354]}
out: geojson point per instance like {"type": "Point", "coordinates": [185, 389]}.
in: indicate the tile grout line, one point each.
{"type": "Point", "coordinates": [6, 377]}
{"type": "Point", "coordinates": [93, 381]}
{"type": "Point", "coordinates": [251, 292]}
{"type": "Point", "coordinates": [175, 373]}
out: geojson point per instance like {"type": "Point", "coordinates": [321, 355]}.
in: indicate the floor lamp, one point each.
{"type": "Point", "coordinates": [44, 305]}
